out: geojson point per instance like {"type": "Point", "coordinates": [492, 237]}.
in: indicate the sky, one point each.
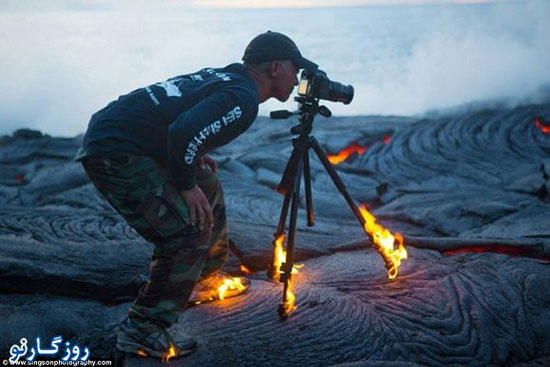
{"type": "Point", "coordinates": [62, 60]}
{"type": "Point", "coordinates": [109, 4]}
{"type": "Point", "coordinates": [321, 3]}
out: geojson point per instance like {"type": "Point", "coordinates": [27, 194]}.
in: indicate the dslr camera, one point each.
{"type": "Point", "coordinates": [316, 84]}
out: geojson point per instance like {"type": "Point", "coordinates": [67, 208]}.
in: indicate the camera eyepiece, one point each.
{"type": "Point", "coordinates": [316, 84]}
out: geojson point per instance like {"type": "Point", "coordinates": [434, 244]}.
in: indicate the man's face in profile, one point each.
{"type": "Point", "coordinates": [285, 79]}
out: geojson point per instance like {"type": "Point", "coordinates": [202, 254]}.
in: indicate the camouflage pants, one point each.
{"type": "Point", "coordinates": [141, 191]}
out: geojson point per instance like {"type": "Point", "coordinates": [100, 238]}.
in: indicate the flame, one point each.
{"type": "Point", "coordinates": [141, 352]}
{"type": "Point", "coordinates": [245, 270]}
{"type": "Point", "coordinates": [279, 257]}
{"type": "Point", "coordinates": [345, 153]}
{"type": "Point", "coordinates": [229, 284]}
{"type": "Point", "coordinates": [171, 353]}
{"type": "Point", "coordinates": [384, 242]}
{"type": "Point", "coordinates": [290, 304]}
{"type": "Point", "coordinates": [545, 129]}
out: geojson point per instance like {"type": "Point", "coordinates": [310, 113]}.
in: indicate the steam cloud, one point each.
{"type": "Point", "coordinates": [450, 69]}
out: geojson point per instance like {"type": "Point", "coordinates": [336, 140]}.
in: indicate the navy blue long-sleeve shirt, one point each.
{"type": "Point", "coordinates": [176, 121]}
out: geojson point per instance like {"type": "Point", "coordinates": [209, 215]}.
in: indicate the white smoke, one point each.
{"type": "Point", "coordinates": [463, 65]}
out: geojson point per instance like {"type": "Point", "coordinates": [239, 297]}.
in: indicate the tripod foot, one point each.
{"type": "Point", "coordinates": [282, 312]}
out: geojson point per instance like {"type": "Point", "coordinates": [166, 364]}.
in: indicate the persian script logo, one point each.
{"type": "Point", "coordinates": [76, 353]}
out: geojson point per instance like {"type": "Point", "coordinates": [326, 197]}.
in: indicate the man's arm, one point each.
{"type": "Point", "coordinates": [212, 122]}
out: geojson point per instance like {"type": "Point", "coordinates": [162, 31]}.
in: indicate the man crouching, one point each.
{"type": "Point", "coordinates": [146, 154]}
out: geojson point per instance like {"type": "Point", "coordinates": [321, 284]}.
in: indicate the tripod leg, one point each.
{"type": "Point", "coordinates": [284, 212]}
{"type": "Point", "coordinates": [287, 181]}
{"type": "Point", "coordinates": [273, 270]}
{"type": "Point", "coordinates": [287, 305]}
{"type": "Point", "coordinates": [286, 187]}
{"type": "Point", "coordinates": [392, 259]}
{"type": "Point", "coordinates": [335, 178]}
{"type": "Point", "coordinates": [307, 184]}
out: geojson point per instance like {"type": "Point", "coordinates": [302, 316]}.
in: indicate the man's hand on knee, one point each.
{"type": "Point", "coordinates": [199, 207]}
{"type": "Point", "coordinates": [207, 161]}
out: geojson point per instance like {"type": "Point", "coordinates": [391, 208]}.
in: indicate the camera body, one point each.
{"type": "Point", "coordinates": [316, 84]}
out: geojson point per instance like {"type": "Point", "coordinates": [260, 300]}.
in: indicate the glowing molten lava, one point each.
{"type": "Point", "coordinates": [345, 153]}
{"type": "Point", "coordinates": [171, 353]}
{"type": "Point", "coordinates": [545, 129]}
{"type": "Point", "coordinates": [385, 242]}
{"type": "Point", "coordinates": [230, 284]}
{"type": "Point", "coordinates": [500, 249]}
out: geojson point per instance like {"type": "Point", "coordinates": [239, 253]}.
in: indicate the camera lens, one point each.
{"type": "Point", "coordinates": [337, 92]}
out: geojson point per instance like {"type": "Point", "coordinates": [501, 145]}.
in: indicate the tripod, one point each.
{"type": "Point", "coordinates": [297, 165]}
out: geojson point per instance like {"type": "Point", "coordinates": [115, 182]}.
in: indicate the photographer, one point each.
{"type": "Point", "coordinates": [146, 154]}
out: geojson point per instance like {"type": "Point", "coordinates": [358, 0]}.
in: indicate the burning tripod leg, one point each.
{"type": "Point", "coordinates": [298, 163]}
{"type": "Point", "coordinates": [288, 303]}
{"type": "Point", "coordinates": [283, 265]}
{"type": "Point", "coordinates": [287, 188]}
{"type": "Point", "coordinates": [279, 254]}
{"type": "Point", "coordinates": [383, 240]}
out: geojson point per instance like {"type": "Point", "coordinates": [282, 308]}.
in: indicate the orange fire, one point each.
{"type": "Point", "coordinates": [279, 255]}
{"type": "Point", "coordinates": [545, 129]}
{"type": "Point", "coordinates": [229, 284]}
{"type": "Point", "coordinates": [171, 353]}
{"type": "Point", "coordinates": [290, 304]}
{"type": "Point", "coordinates": [385, 242]}
{"type": "Point", "coordinates": [279, 258]}
{"type": "Point", "coordinates": [345, 153]}
{"type": "Point", "coordinates": [141, 352]}
{"type": "Point", "coordinates": [245, 270]}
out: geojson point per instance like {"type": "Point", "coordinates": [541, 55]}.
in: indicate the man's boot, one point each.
{"type": "Point", "coordinates": [151, 340]}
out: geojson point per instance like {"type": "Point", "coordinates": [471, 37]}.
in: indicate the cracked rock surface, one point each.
{"type": "Point", "coordinates": [470, 192]}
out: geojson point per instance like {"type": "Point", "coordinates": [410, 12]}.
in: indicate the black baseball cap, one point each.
{"type": "Point", "coordinates": [271, 46]}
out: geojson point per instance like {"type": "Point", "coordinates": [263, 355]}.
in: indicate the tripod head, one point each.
{"type": "Point", "coordinates": [314, 85]}
{"type": "Point", "coordinates": [308, 107]}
